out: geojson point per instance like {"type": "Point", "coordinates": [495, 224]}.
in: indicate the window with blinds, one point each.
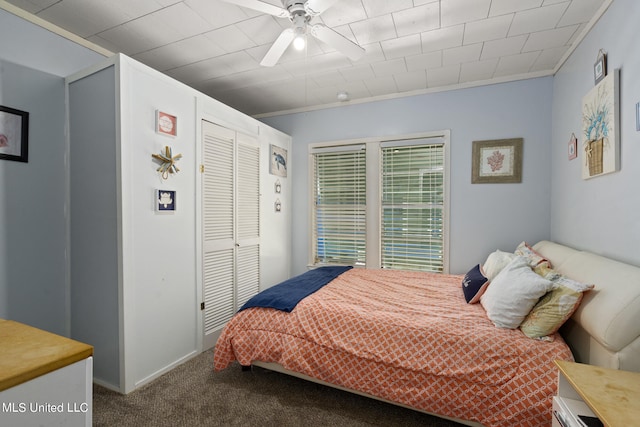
{"type": "Point", "coordinates": [413, 197]}
{"type": "Point", "coordinates": [340, 206]}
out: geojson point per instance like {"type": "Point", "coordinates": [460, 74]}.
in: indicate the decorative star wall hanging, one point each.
{"type": "Point", "coordinates": [167, 162]}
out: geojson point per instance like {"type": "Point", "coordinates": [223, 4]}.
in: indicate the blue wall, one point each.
{"type": "Point", "coordinates": [484, 217]}
{"type": "Point", "coordinates": [32, 204]}
{"type": "Point", "coordinates": [601, 214]}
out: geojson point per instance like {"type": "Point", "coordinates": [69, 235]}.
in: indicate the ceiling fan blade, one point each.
{"type": "Point", "coordinates": [316, 7]}
{"type": "Point", "coordinates": [337, 41]}
{"type": "Point", "coordinates": [262, 7]}
{"type": "Point", "coordinates": [277, 49]}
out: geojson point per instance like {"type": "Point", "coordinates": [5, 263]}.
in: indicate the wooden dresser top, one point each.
{"type": "Point", "coordinates": [27, 352]}
{"type": "Point", "coordinates": [611, 394]}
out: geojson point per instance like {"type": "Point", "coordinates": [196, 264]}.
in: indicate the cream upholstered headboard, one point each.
{"type": "Point", "coordinates": [605, 330]}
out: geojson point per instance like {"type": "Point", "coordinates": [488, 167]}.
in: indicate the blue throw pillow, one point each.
{"type": "Point", "coordinates": [474, 284]}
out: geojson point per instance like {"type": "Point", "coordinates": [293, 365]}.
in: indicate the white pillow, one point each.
{"type": "Point", "coordinates": [513, 293]}
{"type": "Point", "coordinates": [495, 262]}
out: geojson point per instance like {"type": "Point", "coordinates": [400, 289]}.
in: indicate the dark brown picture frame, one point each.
{"type": "Point", "coordinates": [14, 134]}
{"type": "Point", "coordinates": [497, 161]}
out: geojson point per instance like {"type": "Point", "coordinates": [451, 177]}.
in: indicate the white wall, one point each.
{"type": "Point", "coordinates": [600, 214]}
{"type": "Point", "coordinates": [484, 217]}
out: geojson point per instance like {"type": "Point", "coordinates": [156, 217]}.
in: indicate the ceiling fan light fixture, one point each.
{"type": "Point", "coordinates": [300, 40]}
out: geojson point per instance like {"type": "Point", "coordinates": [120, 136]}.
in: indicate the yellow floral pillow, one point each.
{"type": "Point", "coordinates": [555, 307]}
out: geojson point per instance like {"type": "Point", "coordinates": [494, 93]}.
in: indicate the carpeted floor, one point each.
{"type": "Point", "coordinates": [193, 395]}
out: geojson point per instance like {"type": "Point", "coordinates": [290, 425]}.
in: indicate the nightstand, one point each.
{"type": "Point", "coordinates": [608, 394]}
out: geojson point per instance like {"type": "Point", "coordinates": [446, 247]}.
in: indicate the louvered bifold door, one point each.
{"type": "Point", "coordinates": [248, 218]}
{"type": "Point", "coordinates": [218, 244]}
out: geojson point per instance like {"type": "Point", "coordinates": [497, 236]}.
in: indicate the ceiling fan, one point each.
{"type": "Point", "coordinates": [300, 13]}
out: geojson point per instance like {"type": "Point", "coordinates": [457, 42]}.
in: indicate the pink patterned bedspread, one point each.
{"type": "Point", "coordinates": [408, 337]}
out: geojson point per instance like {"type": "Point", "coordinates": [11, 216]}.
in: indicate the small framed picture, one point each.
{"type": "Point", "coordinates": [600, 67]}
{"type": "Point", "coordinates": [14, 134]}
{"type": "Point", "coordinates": [166, 124]}
{"type": "Point", "coordinates": [497, 161]}
{"type": "Point", "coordinates": [278, 162]}
{"type": "Point", "coordinates": [165, 201]}
{"type": "Point", "coordinates": [573, 147]}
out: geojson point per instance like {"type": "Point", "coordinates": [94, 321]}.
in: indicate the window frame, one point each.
{"type": "Point", "coordinates": [373, 147]}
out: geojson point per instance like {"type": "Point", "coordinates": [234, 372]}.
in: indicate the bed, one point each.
{"type": "Point", "coordinates": [412, 339]}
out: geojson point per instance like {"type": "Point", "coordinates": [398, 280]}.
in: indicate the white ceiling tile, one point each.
{"type": "Point", "coordinates": [418, 19]}
{"type": "Point", "coordinates": [443, 38]}
{"type": "Point", "coordinates": [414, 80]}
{"type": "Point", "coordinates": [374, 30]}
{"type": "Point", "coordinates": [402, 46]}
{"type": "Point", "coordinates": [502, 7]}
{"type": "Point", "coordinates": [261, 29]}
{"type": "Point", "coordinates": [360, 72]}
{"type": "Point", "coordinates": [508, 46]}
{"type": "Point", "coordinates": [385, 68]}
{"type": "Point", "coordinates": [373, 53]}
{"type": "Point", "coordinates": [487, 29]}
{"type": "Point", "coordinates": [85, 18]}
{"type": "Point", "coordinates": [550, 38]}
{"type": "Point", "coordinates": [240, 61]}
{"type": "Point", "coordinates": [200, 71]}
{"type": "Point", "coordinates": [549, 2]}
{"type": "Point", "coordinates": [343, 12]}
{"type": "Point", "coordinates": [217, 13]}
{"type": "Point", "coordinates": [231, 38]}
{"type": "Point", "coordinates": [185, 51]}
{"type": "Point", "coordinates": [444, 76]}
{"type": "Point", "coordinates": [381, 85]}
{"type": "Point", "coordinates": [548, 58]}
{"type": "Point", "coordinates": [580, 11]}
{"type": "Point", "coordinates": [33, 6]}
{"type": "Point", "coordinates": [328, 78]}
{"type": "Point", "coordinates": [474, 71]}
{"type": "Point", "coordinates": [544, 18]}
{"type": "Point", "coordinates": [458, 55]}
{"type": "Point", "coordinates": [516, 64]}
{"type": "Point", "coordinates": [455, 12]}
{"type": "Point", "coordinates": [174, 17]}
{"type": "Point", "coordinates": [424, 61]}
{"type": "Point", "coordinates": [381, 7]}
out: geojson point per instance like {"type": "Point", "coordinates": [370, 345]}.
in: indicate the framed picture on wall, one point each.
{"type": "Point", "coordinates": [497, 161]}
{"type": "Point", "coordinates": [14, 134]}
{"type": "Point", "coordinates": [600, 67]}
{"type": "Point", "coordinates": [573, 147]}
{"type": "Point", "coordinates": [278, 161]}
{"type": "Point", "coordinates": [165, 201]}
{"type": "Point", "coordinates": [166, 124]}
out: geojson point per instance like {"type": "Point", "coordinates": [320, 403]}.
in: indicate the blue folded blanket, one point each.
{"type": "Point", "coordinates": [286, 295]}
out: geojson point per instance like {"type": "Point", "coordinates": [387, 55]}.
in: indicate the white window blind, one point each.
{"type": "Point", "coordinates": [340, 206]}
{"type": "Point", "coordinates": [413, 199]}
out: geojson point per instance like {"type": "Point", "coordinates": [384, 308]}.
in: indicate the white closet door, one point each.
{"type": "Point", "coordinates": [248, 218]}
{"type": "Point", "coordinates": [218, 239]}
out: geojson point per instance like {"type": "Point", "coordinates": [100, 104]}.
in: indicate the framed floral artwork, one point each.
{"type": "Point", "coordinates": [600, 115]}
{"type": "Point", "coordinates": [497, 161]}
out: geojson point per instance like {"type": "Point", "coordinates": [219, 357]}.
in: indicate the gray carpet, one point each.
{"type": "Point", "coordinates": [193, 395]}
